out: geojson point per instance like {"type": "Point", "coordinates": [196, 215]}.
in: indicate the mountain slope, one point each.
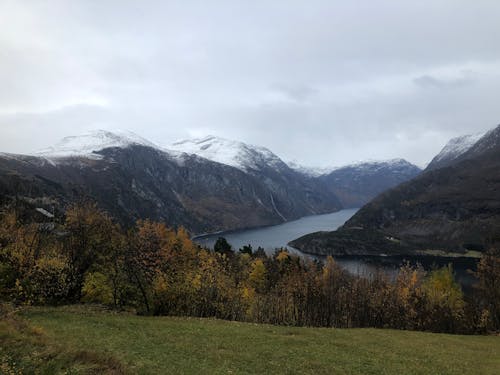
{"type": "Point", "coordinates": [354, 185]}
{"type": "Point", "coordinates": [133, 180]}
{"type": "Point", "coordinates": [309, 171]}
{"type": "Point", "coordinates": [454, 208]}
{"type": "Point", "coordinates": [89, 143]}
{"type": "Point", "coordinates": [454, 150]}
{"type": "Point", "coordinates": [357, 184]}
{"type": "Point", "coordinates": [236, 154]}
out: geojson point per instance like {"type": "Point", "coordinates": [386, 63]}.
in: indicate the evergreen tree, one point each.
{"type": "Point", "coordinates": [222, 246]}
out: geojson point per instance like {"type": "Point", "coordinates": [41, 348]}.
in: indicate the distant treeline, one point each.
{"type": "Point", "coordinates": [153, 269]}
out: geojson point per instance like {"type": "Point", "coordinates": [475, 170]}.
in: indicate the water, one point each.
{"type": "Point", "coordinates": [369, 265]}
{"type": "Point", "coordinates": [278, 236]}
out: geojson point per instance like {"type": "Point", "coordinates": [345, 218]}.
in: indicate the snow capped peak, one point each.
{"type": "Point", "coordinates": [454, 148]}
{"type": "Point", "coordinates": [459, 145]}
{"type": "Point", "coordinates": [309, 171]}
{"type": "Point", "coordinates": [89, 143]}
{"type": "Point", "coordinates": [362, 166]}
{"type": "Point", "coordinates": [236, 154]}
{"type": "Point", "coordinates": [377, 164]}
{"type": "Point", "coordinates": [489, 140]}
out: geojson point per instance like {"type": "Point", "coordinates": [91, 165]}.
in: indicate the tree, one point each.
{"type": "Point", "coordinates": [257, 276]}
{"type": "Point", "coordinates": [444, 301]}
{"type": "Point", "coordinates": [149, 249]}
{"type": "Point", "coordinates": [222, 246]}
{"type": "Point", "coordinates": [488, 286]}
{"type": "Point", "coordinates": [90, 236]}
{"type": "Point", "coordinates": [246, 249]}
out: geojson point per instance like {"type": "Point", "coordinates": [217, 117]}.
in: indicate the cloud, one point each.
{"type": "Point", "coordinates": [427, 81]}
{"type": "Point", "coordinates": [296, 92]}
{"type": "Point", "coordinates": [324, 82]}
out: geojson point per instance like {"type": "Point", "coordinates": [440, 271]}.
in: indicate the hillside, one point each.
{"type": "Point", "coordinates": [134, 179]}
{"type": "Point", "coordinates": [454, 150]}
{"type": "Point", "coordinates": [455, 208]}
{"type": "Point", "coordinates": [206, 185]}
{"type": "Point", "coordinates": [357, 184]}
{"type": "Point", "coordinates": [55, 340]}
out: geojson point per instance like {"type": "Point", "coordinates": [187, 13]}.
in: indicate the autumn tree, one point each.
{"type": "Point", "coordinates": [488, 286]}
{"type": "Point", "coordinates": [147, 253]}
{"type": "Point", "coordinates": [444, 304]}
{"type": "Point", "coordinates": [89, 237]}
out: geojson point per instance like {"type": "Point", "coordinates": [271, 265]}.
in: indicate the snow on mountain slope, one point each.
{"type": "Point", "coordinates": [233, 153]}
{"type": "Point", "coordinates": [87, 144]}
{"type": "Point", "coordinates": [453, 149]}
{"type": "Point", "coordinates": [489, 141]}
{"type": "Point", "coordinates": [309, 171]}
{"type": "Point", "coordinates": [374, 166]}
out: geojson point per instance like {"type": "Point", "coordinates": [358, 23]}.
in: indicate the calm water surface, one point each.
{"type": "Point", "coordinates": [277, 236]}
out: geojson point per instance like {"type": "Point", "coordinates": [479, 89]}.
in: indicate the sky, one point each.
{"type": "Point", "coordinates": [323, 83]}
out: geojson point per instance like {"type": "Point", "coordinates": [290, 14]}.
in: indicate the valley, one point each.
{"type": "Point", "coordinates": [454, 209]}
{"type": "Point", "coordinates": [206, 185]}
{"type": "Point", "coordinates": [249, 187]}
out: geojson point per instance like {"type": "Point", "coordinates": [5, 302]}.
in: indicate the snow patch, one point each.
{"type": "Point", "coordinates": [458, 146]}
{"type": "Point", "coordinates": [90, 143]}
{"type": "Point", "coordinates": [233, 153]}
{"type": "Point", "coordinates": [375, 165]}
{"type": "Point", "coordinates": [309, 171]}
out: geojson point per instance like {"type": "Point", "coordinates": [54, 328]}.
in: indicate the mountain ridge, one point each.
{"type": "Point", "coordinates": [133, 180]}
{"type": "Point", "coordinates": [207, 184]}
{"type": "Point", "coordinates": [454, 208]}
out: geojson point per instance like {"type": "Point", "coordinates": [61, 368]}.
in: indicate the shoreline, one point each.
{"type": "Point", "coordinates": [244, 229]}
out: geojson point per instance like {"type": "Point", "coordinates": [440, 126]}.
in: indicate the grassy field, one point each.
{"type": "Point", "coordinates": [86, 340]}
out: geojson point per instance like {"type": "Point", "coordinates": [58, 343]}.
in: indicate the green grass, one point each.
{"type": "Point", "coordinates": [441, 253]}
{"type": "Point", "coordinates": [165, 345]}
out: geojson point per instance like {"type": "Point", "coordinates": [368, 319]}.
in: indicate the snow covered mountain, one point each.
{"type": "Point", "coordinates": [309, 171]}
{"type": "Point", "coordinates": [89, 143]}
{"type": "Point", "coordinates": [490, 141]}
{"type": "Point", "coordinates": [455, 148]}
{"type": "Point", "coordinates": [236, 154]}
{"type": "Point", "coordinates": [356, 184]}
{"type": "Point", "coordinates": [454, 208]}
{"type": "Point", "coordinates": [373, 166]}
{"type": "Point", "coordinates": [133, 178]}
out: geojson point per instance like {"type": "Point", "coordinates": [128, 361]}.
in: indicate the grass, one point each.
{"type": "Point", "coordinates": [95, 341]}
{"type": "Point", "coordinates": [26, 349]}
{"type": "Point", "coordinates": [441, 253]}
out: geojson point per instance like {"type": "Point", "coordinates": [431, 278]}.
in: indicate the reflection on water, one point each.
{"type": "Point", "coordinates": [277, 236]}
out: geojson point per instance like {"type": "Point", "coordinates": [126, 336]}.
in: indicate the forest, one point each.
{"type": "Point", "coordinates": [152, 269]}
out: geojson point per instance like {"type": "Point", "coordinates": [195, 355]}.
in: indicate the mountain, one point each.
{"type": "Point", "coordinates": [357, 184]}
{"type": "Point", "coordinates": [454, 208]}
{"type": "Point", "coordinates": [309, 171]}
{"type": "Point", "coordinates": [89, 143]}
{"type": "Point", "coordinates": [240, 155]}
{"type": "Point", "coordinates": [295, 192]}
{"type": "Point", "coordinates": [132, 178]}
{"type": "Point", "coordinates": [454, 150]}
{"type": "Point", "coordinates": [354, 185]}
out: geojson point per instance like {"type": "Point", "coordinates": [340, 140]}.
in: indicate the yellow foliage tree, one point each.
{"type": "Point", "coordinates": [257, 276]}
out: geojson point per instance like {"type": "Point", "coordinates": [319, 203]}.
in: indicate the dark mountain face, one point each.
{"type": "Point", "coordinates": [143, 182]}
{"type": "Point", "coordinates": [454, 208]}
{"type": "Point", "coordinates": [356, 185]}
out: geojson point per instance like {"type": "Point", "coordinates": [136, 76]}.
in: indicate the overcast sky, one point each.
{"type": "Point", "coordinates": [322, 82]}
